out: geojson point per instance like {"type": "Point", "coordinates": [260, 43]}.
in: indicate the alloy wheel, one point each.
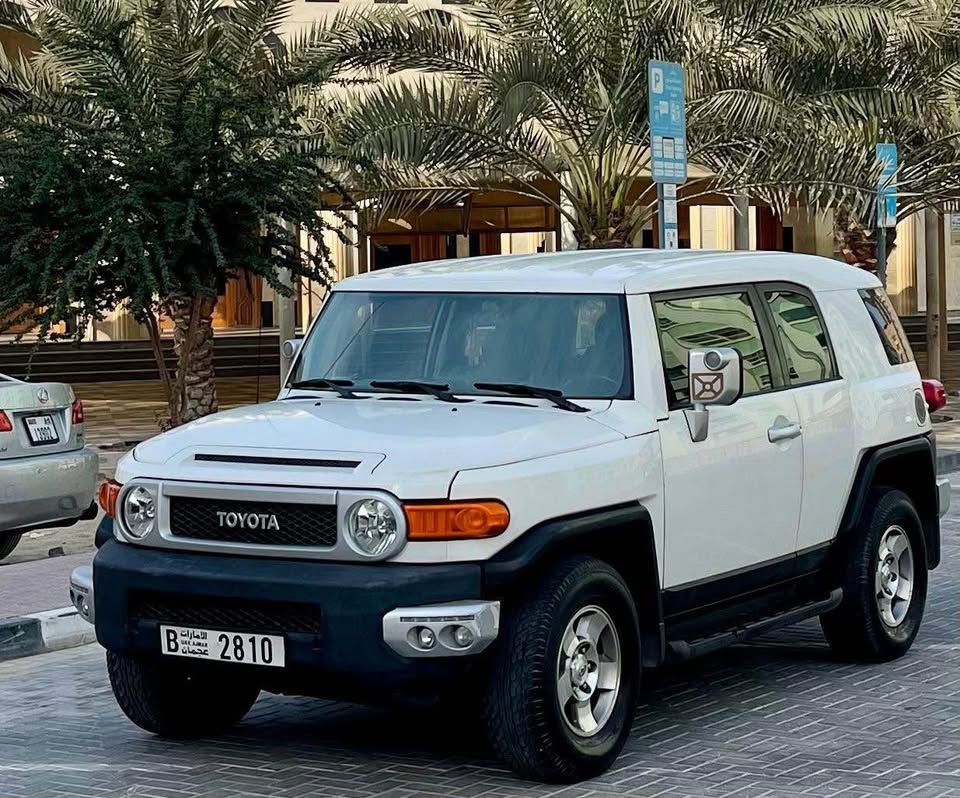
{"type": "Point", "coordinates": [588, 671]}
{"type": "Point", "coordinates": [894, 576]}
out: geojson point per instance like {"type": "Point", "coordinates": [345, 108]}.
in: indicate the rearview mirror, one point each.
{"type": "Point", "coordinates": [715, 377]}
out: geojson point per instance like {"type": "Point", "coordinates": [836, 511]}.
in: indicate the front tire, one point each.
{"type": "Point", "coordinates": [563, 688]}
{"type": "Point", "coordinates": [884, 584]}
{"type": "Point", "coordinates": [7, 544]}
{"type": "Point", "coordinates": [171, 701]}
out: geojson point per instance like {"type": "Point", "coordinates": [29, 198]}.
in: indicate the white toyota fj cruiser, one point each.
{"type": "Point", "coordinates": [543, 474]}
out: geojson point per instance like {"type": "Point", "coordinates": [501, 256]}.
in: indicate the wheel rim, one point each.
{"type": "Point", "coordinates": [588, 671]}
{"type": "Point", "coordinates": [894, 576]}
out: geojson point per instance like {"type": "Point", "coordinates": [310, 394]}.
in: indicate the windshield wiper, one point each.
{"type": "Point", "coordinates": [517, 389]}
{"type": "Point", "coordinates": [339, 387]}
{"type": "Point", "coordinates": [439, 391]}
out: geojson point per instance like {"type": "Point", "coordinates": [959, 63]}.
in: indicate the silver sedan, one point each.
{"type": "Point", "coordinates": [47, 476]}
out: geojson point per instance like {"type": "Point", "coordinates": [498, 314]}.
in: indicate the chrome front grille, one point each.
{"type": "Point", "coordinates": [253, 523]}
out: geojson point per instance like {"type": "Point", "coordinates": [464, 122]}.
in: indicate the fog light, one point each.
{"type": "Point", "coordinates": [426, 638]}
{"type": "Point", "coordinates": [463, 636]}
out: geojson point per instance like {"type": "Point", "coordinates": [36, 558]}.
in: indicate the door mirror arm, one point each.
{"type": "Point", "coordinates": [698, 421]}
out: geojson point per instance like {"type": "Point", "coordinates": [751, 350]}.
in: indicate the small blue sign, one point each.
{"type": "Point", "coordinates": [887, 200]}
{"type": "Point", "coordinates": [668, 122]}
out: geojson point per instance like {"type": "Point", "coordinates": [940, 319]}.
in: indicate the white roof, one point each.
{"type": "Point", "coordinates": [631, 271]}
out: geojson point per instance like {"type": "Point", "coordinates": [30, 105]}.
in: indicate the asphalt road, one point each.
{"type": "Point", "coordinates": [776, 718]}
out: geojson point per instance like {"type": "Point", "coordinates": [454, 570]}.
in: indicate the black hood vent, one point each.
{"type": "Point", "coordinates": [276, 461]}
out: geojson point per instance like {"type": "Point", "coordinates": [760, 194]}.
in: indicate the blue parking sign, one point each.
{"type": "Point", "coordinates": [887, 200]}
{"type": "Point", "coordinates": [668, 122]}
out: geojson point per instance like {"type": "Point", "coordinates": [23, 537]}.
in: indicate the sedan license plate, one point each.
{"type": "Point", "coordinates": [233, 647]}
{"type": "Point", "coordinates": [41, 430]}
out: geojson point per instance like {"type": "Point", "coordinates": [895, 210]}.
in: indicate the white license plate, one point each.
{"type": "Point", "coordinates": [210, 644]}
{"type": "Point", "coordinates": [41, 430]}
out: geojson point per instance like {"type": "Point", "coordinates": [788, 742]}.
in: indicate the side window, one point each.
{"type": "Point", "coordinates": [716, 320]}
{"type": "Point", "coordinates": [802, 337]}
{"type": "Point", "coordinates": [884, 318]}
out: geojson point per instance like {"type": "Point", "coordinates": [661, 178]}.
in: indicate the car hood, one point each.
{"type": "Point", "coordinates": [412, 447]}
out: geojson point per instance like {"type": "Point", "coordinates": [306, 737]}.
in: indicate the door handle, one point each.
{"type": "Point", "coordinates": [776, 434]}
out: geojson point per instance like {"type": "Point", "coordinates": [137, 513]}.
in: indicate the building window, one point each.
{"type": "Point", "coordinates": [715, 320]}
{"type": "Point", "coordinates": [884, 318]}
{"type": "Point", "coordinates": [802, 337]}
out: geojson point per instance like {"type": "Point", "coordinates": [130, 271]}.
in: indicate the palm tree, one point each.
{"type": "Point", "coordinates": [181, 141]}
{"type": "Point", "coordinates": [519, 91]}
{"type": "Point", "coordinates": [860, 91]}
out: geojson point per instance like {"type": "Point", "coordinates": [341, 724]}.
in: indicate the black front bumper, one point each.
{"type": "Point", "coordinates": [336, 638]}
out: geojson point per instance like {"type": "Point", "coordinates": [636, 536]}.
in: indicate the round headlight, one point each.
{"type": "Point", "coordinates": [139, 512]}
{"type": "Point", "coordinates": [371, 527]}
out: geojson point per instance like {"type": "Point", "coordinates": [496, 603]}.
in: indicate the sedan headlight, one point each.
{"type": "Point", "coordinates": [139, 512]}
{"type": "Point", "coordinates": [372, 527]}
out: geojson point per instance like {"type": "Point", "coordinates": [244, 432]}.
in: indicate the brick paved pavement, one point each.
{"type": "Point", "coordinates": [37, 586]}
{"type": "Point", "coordinates": [777, 719]}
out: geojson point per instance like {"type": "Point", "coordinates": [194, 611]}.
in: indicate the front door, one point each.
{"type": "Point", "coordinates": [733, 500]}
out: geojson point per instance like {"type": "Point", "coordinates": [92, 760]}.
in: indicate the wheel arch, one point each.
{"type": "Point", "coordinates": [622, 536]}
{"type": "Point", "coordinates": [907, 465]}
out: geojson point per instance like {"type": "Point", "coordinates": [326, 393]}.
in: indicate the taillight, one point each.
{"type": "Point", "coordinates": [77, 412]}
{"type": "Point", "coordinates": [935, 394]}
{"type": "Point", "coordinates": [107, 496]}
{"type": "Point", "coordinates": [5, 425]}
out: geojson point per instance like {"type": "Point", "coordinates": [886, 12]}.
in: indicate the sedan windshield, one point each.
{"type": "Point", "coordinates": [572, 343]}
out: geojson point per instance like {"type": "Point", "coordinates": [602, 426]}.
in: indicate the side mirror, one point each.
{"type": "Point", "coordinates": [715, 377]}
{"type": "Point", "coordinates": [290, 347]}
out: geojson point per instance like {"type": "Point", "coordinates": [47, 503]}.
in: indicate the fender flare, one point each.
{"type": "Point", "coordinates": [926, 502]}
{"type": "Point", "coordinates": [622, 535]}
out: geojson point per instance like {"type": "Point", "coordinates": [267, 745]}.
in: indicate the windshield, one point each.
{"type": "Point", "coordinates": [574, 343]}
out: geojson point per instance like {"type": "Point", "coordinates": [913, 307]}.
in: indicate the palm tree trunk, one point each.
{"type": "Point", "coordinates": [856, 242]}
{"type": "Point", "coordinates": [194, 393]}
{"type": "Point", "coordinates": [613, 235]}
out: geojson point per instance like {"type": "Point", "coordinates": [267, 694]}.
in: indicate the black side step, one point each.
{"type": "Point", "coordinates": [687, 649]}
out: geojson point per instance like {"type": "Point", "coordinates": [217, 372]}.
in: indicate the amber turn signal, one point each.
{"type": "Point", "coordinates": [107, 497]}
{"type": "Point", "coordinates": [456, 520]}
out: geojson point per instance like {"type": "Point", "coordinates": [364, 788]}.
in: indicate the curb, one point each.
{"type": "Point", "coordinates": [41, 632]}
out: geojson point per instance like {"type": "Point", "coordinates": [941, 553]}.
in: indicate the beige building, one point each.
{"type": "Point", "coordinates": [500, 222]}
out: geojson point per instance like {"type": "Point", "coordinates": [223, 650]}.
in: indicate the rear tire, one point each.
{"type": "Point", "coordinates": [8, 543]}
{"type": "Point", "coordinates": [884, 584]}
{"type": "Point", "coordinates": [172, 701]}
{"type": "Point", "coordinates": [563, 688]}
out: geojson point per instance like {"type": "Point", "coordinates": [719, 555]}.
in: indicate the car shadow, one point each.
{"type": "Point", "coordinates": [434, 735]}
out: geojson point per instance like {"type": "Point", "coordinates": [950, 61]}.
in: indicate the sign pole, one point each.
{"type": "Point", "coordinates": [882, 256]}
{"type": "Point", "coordinates": [667, 215]}
{"type": "Point", "coordinates": [886, 205]}
{"type": "Point", "coordinates": [668, 143]}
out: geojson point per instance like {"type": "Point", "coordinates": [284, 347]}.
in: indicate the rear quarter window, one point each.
{"type": "Point", "coordinates": [888, 327]}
